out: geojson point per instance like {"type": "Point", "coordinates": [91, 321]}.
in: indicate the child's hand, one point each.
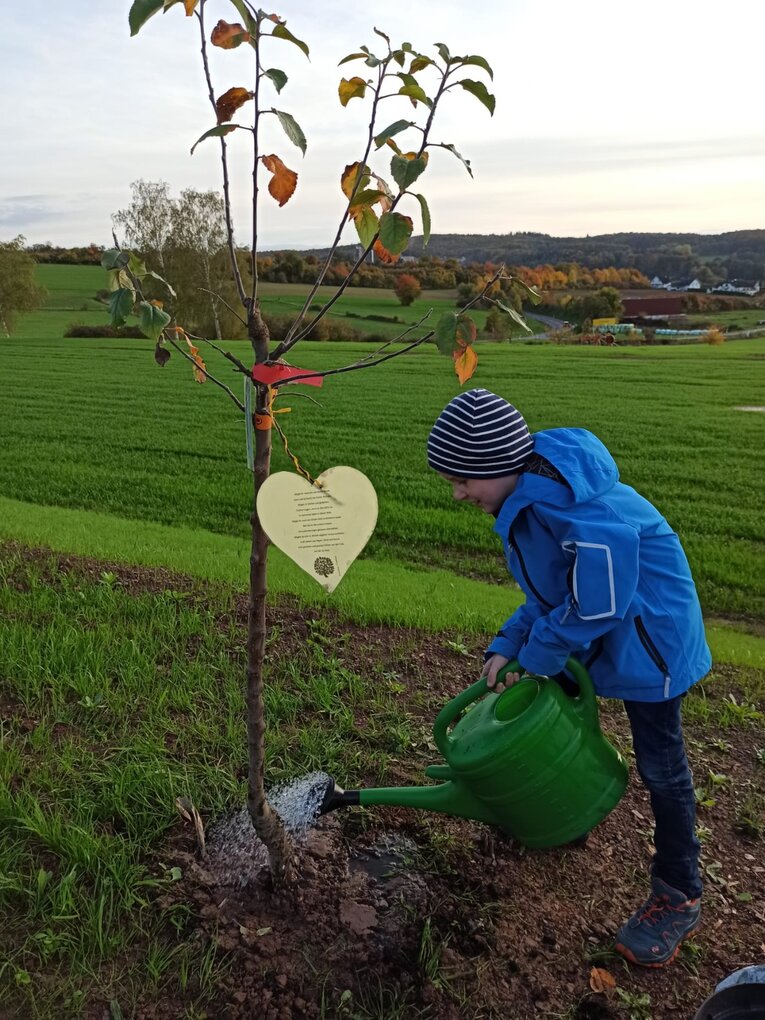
{"type": "Point", "coordinates": [491, 667]}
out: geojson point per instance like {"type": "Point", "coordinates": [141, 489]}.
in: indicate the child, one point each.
{"type": "Point", "coordinates": [605, 580]}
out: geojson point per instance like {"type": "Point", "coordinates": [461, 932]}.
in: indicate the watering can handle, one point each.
{"type": "Point", "coordinates": [451, 711]}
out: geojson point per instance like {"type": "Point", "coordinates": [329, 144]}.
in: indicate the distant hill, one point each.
{"type": "Point", "coordinates": [738, 254]}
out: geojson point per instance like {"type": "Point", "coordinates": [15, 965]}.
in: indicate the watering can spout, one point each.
{"type": "Point", "coordinates": [451, 798]}
{"type": "Point", "coordinates": [336, 797]}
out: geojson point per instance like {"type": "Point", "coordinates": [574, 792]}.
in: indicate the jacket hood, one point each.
{"type": "Point", "coordinates": [581, 459]}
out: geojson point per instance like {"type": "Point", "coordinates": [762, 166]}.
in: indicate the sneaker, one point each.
{"type": "Point", "coordinates": [653, 935]}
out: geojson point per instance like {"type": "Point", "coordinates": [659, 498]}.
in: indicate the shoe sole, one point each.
{"type": "Point", "coordinates": [629, 955]}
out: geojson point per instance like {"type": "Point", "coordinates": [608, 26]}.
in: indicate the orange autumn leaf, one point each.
{"type": "Point", "coordinates": [601, 981]}
{"type": "Point", "coordinates": [382, 253]}
{"type": "Point", "coordinates": [227, 104]}
{"type": "Point", "coordinates": [189, 6]}
{"type": "Point", "coordinates": [282, 185]}
{"type": "Point", "coordinates": [157, 303]}
{"type": "Point", "coordinates": [465, 361]}
{"type": "Point", "coordinates": [351, 180]}
{"type": "Point", "coordinates": [227, 36]}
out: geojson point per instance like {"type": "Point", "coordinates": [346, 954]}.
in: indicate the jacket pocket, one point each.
{"type": "Point", "coordinates": [653, 653]}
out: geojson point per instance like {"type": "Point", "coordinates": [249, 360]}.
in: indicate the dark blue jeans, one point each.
{"type": "Point", "coordinates": [657, 738]}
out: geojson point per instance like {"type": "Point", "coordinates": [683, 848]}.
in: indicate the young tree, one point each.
{"type": "Point", "coordinates": [147, 221]}
{"type": "Point", "coordinates": [197, 257]}
{"type": "Point", "coordinates": [396, 74]}
{"type": "Point", "coordinates": [407, 288]}
{"type": "Point", "coordinates": [19, 291]}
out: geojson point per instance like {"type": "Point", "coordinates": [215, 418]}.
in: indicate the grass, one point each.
{"type": "Point", "coordinates": [372, 592]}
{"type": "Point", "coordinates": [95, 425]}
{"type": "Point", "coordinates": [114, 705]}
{"type": "Point", "coordinates": [743, 318]}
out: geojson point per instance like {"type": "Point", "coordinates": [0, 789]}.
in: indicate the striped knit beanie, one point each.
{"type": "Point", "coordinates": [479, 435]}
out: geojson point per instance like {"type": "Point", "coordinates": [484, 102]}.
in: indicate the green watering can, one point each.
{"type": "Point", "coordinates": [531, 761]}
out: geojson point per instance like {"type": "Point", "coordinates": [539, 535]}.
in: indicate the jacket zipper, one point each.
{"type": "Point", "coordinates": [653, 652]}
{"type": "Point", "coordinates": [525, 572]}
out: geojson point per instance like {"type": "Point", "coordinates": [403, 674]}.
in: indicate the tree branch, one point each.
{"type": "Point", "coordinates": [290, 341]}
{"type": "Point", "coordinates": [226, 354]}
{"type": "Point", "coordinates": [224, 163]}
{"type": "Point", "coordinates": [285, 344]}
{"type": "Point", "coordinates": [255, 162]}
{"type": "Point", "coordinates": [212, 378]}
{"type": "Point", "coordinates": [366, 363]}
{"type": "Point", "coordinates": [223, 302]}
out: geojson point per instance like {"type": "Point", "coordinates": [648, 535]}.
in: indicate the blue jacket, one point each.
{"type": "Point", "coordinates": [605, 577]}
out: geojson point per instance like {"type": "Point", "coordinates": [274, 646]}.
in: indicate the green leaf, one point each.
{"type": "Point", "coordinates": [419, 63]}
{"type": "Point", "coordinates": [454, 331]}
{"type": "Point", "coordinates": [115, 259]}
{"type": "Point", "coordinates": [415, 92]}
{"type": "Point", "coordinates": [391, 130]}
{"type": "Point", "coordinates": [372, 61]}
{"type": "Point", "coordinates": [162, 280]}
{"type": "Point", "coordinates": [279, 78]}
{"type": "Point", "coordinates": [140, 13]}
{"type": "Point", "coordinates": [119, 278]}
{"type": "Point", "coordinates": [534, 296]}
{"type": "Point", "coordinates": [406, 171]}
{"type": "Point", "coordinates": [382, 35]}
{"type": "Point", "coordinates": [367, 197]}
{"type": "Point", "coordinates": [219, 131]}
{"type": "Point", "coordinates": [479, 62]}
{"type": "Point", "coordinates": [282, 32]}
{"type": "Point", "coordinates": [515, 316]}
{"type": "Point", "coordinates": [443, 49]}
{"type": "Point", "coordinates": [479, 90]}
{"type": "Point", "coordinates": [465, 162]}
{"type": "Point", "coordinates": [249, 22]}
{"type": "Point", "coordinates": [136, 265]}
{"type": "Point", "coordinates": [353, 56]}
{"type": "Point", "coordinates": [152, 320]}
{"type": "Point", "coordinates": [292, 129]}
{"type": "Point", "coordinates": [395, 231]}
{"type": "Point", "coordinates": [399, 56]}
{"type": "Point", "coordinates": [120, 306]}
{"type": "Point", "coordinates": [367, 224]}
{"type": "Point", "coordinates": [425, 219]}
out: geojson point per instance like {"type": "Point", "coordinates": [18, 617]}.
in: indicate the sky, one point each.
{"type": "Point", "coordinates": [609, 117]}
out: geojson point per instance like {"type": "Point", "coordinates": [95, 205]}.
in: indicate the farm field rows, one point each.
{"type": "Point", "coordinates": [96, 424]}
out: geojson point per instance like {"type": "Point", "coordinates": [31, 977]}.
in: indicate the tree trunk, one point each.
{"type": "Point", "coordinates": [266, 822]}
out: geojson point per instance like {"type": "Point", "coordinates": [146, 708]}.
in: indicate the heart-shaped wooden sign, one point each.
{"type": "Point", "coordinates": [322, 529]}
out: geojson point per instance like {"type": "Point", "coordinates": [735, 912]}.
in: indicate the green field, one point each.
{"type": "Point", "coordinates": [96, 425]}
{"type": "Point", "coordinates": [744, 318]}
{"type": "Point", "coordinates": [73, 289]}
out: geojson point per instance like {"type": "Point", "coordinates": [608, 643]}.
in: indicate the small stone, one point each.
{"type": "Point", "coordinates": [240, 997]}
{"type": "Point", "coordinates": [281, 980]}
{"type": "Point", "coordinates": [300, 1004]}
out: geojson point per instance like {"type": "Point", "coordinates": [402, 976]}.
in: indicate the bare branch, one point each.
{"type": "Point", "coordinates": [223, 301]}
{"type": "Point", "coordinates": [199, 368]}
{"type": "Point", "coordinates": [224, 163]}
{"type": "Point", "coordinates": [255, 162]}
{"type": "Point", "coordinates": [366, 363]}
{"type": "Point", "coordinates": [285, 344]}
{"type": "Point", "coordinates": [226, 354]}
